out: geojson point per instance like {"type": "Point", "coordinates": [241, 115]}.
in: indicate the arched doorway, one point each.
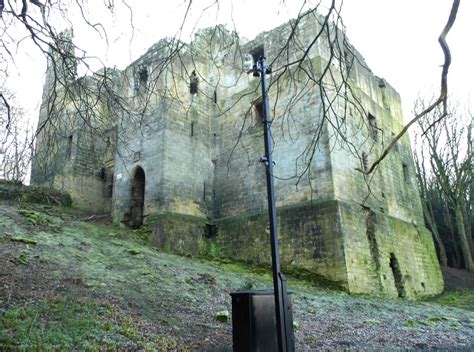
{"type": "Point", "coordinates": [137, 198]}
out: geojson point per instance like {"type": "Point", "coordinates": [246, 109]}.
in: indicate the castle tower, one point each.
{"type": "Point", "coordinates": [62, 63]}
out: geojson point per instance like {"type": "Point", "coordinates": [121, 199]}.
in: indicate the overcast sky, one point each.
{"type": "Point", "coordinates": [398, 39]}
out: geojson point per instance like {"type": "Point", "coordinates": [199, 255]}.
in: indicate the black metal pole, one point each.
{"type": "Point", "coordinates": [279, 281]}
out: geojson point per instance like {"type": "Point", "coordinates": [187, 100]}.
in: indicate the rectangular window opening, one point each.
{"type": "Point", "coordinates": [211, 231]}
{"type": "Point", "coordinates": [140, 80]}
{"type": "Point", "coordinates": [136, 157]}
{"type": "Point", "coordinates": [259, 108]}
{"type": "Point", "coordinates": [192, 129]}
{"type": "Point", "coordinates": [374, 129]}
{"type": "Point", "coordinates": [143, 75]}
{"type": "Point", "coordinates": [256, 53]}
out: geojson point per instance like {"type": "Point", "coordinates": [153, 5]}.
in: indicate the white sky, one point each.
{"type": "Point", "coordinates": [398, 39]}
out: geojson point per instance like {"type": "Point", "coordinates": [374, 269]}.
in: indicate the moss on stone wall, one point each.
{"type": "Point", "coordinates": [334, 242]}
{"type": "Point", "coordinates": [182, 234]}
{"type": "Point", "coordinates": [400, 248]}
{"type": "Point", "coordinates": [308, 240]}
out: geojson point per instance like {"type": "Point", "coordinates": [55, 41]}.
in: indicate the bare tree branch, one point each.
{"type": "Point", "coordinates": [7, 106]}
{"type": "Point", "coordinates": [442, 99]}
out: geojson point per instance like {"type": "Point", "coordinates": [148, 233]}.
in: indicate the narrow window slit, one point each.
{"type": "Point", "coordinates": [69, 147]}
{"type": "Point", "coordinates": [193, 83]}
{"type": "Point", "coordinates": [365, 161]}
{"type": "Point", "coordinates": [406, 174]}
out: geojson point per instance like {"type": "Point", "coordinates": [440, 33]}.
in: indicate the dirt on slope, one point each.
{"type": "Point", "coordinates": [455, 279]}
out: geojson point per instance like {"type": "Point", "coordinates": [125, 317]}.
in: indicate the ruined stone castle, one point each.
{"type": "Point", "coordinates": [175, 139]}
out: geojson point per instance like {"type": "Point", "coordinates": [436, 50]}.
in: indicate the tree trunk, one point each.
{"type": "Point", "coordinates": [427, 209]}
{"type": "Point", "coordinates": [467, 225]}
{"type": "Point", "coordinates": [466, 251]}
{"type": "Point", "coordinates": [449, 223]}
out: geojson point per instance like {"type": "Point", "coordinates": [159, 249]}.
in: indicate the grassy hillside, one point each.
{"type": "Point", "coordinates": [69, 281]}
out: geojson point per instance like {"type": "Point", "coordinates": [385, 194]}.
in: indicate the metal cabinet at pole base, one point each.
{"type": "Point", "coordinates": [254, 323]}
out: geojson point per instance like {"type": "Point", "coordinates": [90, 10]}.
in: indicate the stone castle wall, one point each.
{"type": "Point", "coordinates": [204, 186]}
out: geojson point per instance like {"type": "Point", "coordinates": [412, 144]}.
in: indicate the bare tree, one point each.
{"type": "Point", "coordinates": [71, 103]}
{"type": "Point", "coordinates": [444, 162]}
{"type": "Point", "coordinates": [15, 137]}
{"type": "Point", "coordinates": [441, 100]}
{"type": "Point", "coordinates": [425, 184]}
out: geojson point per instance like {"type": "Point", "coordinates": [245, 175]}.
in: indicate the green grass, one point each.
{"type": "Point", "coordinates": [23, 240]}
{"type": "Point", "coordinates": [152, 291]}
{"type": "Point", "coordinates": [52, 325]}
{"type": "Point", "coordinates": [62, 324]}
{"type": "Point", "coordinates": [463, 299]}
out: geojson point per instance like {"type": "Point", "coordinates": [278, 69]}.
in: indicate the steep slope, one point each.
{"type": "Point", "coordinates": [69, 282]}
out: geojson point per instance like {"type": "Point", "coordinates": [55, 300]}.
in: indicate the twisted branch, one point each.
{"type": "Point", "coordinates": [443, 96]}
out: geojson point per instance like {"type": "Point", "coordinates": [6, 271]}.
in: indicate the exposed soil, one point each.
{"type": "Point", "coordinates": [455, 279]}
{"type": "Point", "coordinates": [50, 255]}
